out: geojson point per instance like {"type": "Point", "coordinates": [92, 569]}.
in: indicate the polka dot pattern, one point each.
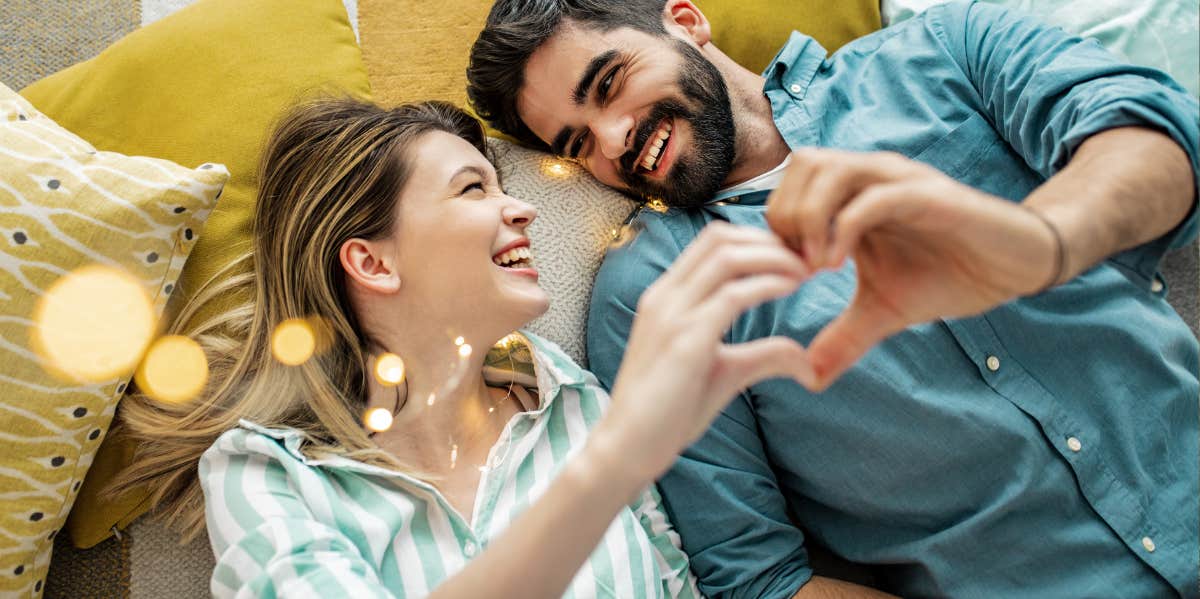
{"type": "Point", "coordinates": [114, 219]}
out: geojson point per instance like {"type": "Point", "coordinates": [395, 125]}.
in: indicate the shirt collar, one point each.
{"type": "Point", "coordinates": [788, 77]}
{"type": "Point", "coordinates": [533, 359]}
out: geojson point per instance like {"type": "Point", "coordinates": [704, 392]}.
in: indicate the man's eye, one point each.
{"type": "Point", "coordinates": [605, 85]}
{"type": "Point", "coordinates": [577, 146]}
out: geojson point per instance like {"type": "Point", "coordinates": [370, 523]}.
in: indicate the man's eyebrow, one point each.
{"type": "Point", "coordinates": [589, 75]}
{"type": "Point", "coordinates": [559, 146]}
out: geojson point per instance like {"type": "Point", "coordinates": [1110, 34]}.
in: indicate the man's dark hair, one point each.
{"type": "Point", "coordinates": [516, 28]}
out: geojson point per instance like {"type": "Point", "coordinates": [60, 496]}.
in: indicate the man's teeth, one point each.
{"type": "Point", "coordinates": [521, 256]}
{"type": "Point", "coordinates": [656, 147]}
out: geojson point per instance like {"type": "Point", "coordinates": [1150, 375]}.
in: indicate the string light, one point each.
{"type": "Point", "coordinates": [453, 455]}
{"type": "Point", "coordinates": [464, 351]}
{"type": "Point", "coordinates": [657, 205]}
{"type": "Point", "coordinates": [377, 419]}
{"type": "Point", "coordinates": [293, 341]}
{"type": "Point", "coordinates": [92, 324]}
{"type": "Point", "coordinates": [458, 341]}
{"type": "Point", "coordinates": [555, 168]}
{"type": "Point", "coordinates": [389, 369]}
{"type": "Point", "coordinates": [174, 370]}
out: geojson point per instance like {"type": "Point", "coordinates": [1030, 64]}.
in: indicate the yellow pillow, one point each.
{"type": "Point", "coordinates": [205, 83]}
{"type": "Point", "coordinates": [416, 49]}
{"type": "Point", "coordinates": [66, 211]}
{"type": "Point", "coordinates": [752, 32]}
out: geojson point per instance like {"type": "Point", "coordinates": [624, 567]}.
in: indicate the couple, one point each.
{"type": "Point", "coordinates": [995, 398]}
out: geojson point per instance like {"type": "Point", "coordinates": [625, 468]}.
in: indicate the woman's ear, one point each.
{"type": "Point", "coordinates": [683, 17]}
{"type": "Point", "coordinates": [368, 266]}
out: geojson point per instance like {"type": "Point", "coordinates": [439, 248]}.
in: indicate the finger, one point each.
{"type": "Point", "coordinates": [848, 337]}
{"type": "Point", "coordinates": [745, 364]}
{"type": "Point", "coordinates": [875, 206]}
{"type": "Point", "coordinates": [716, 313]}
{"type": "Point", "coordinates": [833, 186]}
{"type": "Point", "coordinates": [782, 200]}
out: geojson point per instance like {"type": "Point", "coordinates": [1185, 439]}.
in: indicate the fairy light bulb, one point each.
{"type": "Point", "coordinates": [92, 324]}
{"type": "Point", "coordinates": [389, 369]}
{"type": "Point", "coordinates": [377, 419]}
{"type": "Point", "coordinates": [174, 370]}
{"type": "Point", "coordinates": [464, 351]}
{"type": "Point", "coordinates": [293, 342]}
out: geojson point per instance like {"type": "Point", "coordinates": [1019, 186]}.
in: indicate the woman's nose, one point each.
{"type": "Point", "coordinates": [518, 213]}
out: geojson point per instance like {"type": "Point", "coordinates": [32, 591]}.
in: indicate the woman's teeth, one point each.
{"type": "Point", "coordinates": [660, 141]}
{"type": "Point", "coordinates": [520, 257]}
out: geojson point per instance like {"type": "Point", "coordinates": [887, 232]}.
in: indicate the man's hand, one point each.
{"type": "Point", "coordinates": [925, 246]}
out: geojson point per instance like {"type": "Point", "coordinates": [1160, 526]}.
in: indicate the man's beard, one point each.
{"type": "Point", "coordinates": [696, 177]}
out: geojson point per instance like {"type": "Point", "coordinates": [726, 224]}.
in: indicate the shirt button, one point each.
{"type": "Point", "coordinates": [469, 549]}
{"type": "Point", "coordinates": [1157, 285]}
{"type": "Point", "coordinates": [993, 363]}
{"type": "Point", "coordinates": [1074, 444]}
{"type": "Point", "coordinates": [1148, 543]}
{"type": "Point", "coordinates": [795, 88]}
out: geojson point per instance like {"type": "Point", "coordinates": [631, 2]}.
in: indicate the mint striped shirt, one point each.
{"type": "Point", "coordinates": [282, 524]}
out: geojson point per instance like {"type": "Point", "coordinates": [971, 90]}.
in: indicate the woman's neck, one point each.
{"type": "Point", "coordinates": [445, 416]}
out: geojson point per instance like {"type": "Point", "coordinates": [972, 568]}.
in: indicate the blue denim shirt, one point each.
{"type": "Point", "coordinates": [1048, 448]}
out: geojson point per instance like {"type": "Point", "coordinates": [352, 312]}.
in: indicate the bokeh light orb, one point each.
{"type": "Point", "coordinates": [389, 369]}
{"type": "Point", "coordinates": [93, 324]}
{"type": "Point", "coordinates": [377, 419]}
{"type": "Point", "coordinates": [293, 341]}
{"type": "Point", "coordinates": [174, 370]}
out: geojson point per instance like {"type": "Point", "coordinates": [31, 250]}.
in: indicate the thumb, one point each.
{"type": "Point", "coordinates": [745, 364]}
{"type": "Point", "coordinates": [862, 325]}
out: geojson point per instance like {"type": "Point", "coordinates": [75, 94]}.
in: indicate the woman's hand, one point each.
{"type": "Point", "coordinates": [678, 374]}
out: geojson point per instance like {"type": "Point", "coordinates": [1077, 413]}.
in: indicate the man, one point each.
{"type": "Point", "coordinates": [1023, 419]}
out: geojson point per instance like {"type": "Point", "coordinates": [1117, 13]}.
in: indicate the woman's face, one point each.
{"type": "Point", "coordinates": [460, 241]}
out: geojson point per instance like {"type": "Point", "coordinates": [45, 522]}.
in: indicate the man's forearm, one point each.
{"type": "Point", "coordinates": [830, 588]}
{"type": "Point", "coordinates": [1123, 187]}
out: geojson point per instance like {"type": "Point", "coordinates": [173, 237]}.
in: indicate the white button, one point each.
{"type": "Point", "coordinates": [469, 549]}
{"type": "Point", "coordinates": [1157, 285]}
{"type": "Point", "coordinates": [795, 88]}
{"type": "Point", "coordinates": [1074, 444]}
{"type": "Point", "coordinates": [1148, 543]}
{"type": "Point", "coordinates": [993, 363]}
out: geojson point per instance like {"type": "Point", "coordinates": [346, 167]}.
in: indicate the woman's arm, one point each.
{"type": "Point", "coordinates": [676, 377]}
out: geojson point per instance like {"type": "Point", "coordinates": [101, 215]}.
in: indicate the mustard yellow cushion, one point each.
{"type": "Point", "coordinates": [752, 32]}
{"type": "Point", "coordinates": [416, 49]}
{"type": "Point", "coordinates": [203, 84]}
{"type": "Point", "coordinates": [66, 210]}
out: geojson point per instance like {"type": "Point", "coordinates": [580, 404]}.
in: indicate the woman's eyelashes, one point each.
{"type": "Point", "coordinates": [473, 186]}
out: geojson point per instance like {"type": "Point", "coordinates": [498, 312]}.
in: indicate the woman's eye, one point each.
{"type": "Point", "coordinates": [476, 185]}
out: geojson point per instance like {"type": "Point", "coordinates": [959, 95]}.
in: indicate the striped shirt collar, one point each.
{"type": "Point", "coordinates": [526, 359]}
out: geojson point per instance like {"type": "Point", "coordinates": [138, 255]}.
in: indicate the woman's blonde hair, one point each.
{"type": "Point", "coordinates": [332, 170]}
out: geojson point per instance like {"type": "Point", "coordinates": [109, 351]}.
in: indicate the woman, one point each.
{"type": "Point", "coordinates": [391, 229]}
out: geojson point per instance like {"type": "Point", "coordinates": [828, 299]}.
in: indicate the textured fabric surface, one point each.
{"type": "Point", "coordinates": [577, 217]}
{"type": "Point", "coordinates": [752, 32]}
{"type": "Point", "coordinates": [102, 572]}
{"type": "Point", "coordinates": [205, 83]}
{"type": "Point", "coordinates": [165, 568]}
{"type": "Point", "coordinates": [38, 38]}
{"type": "Point", "coordinates": [64, 206]}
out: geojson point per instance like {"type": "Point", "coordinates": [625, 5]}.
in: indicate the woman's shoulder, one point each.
{"type": "Point", "coordinates": [250, 439]}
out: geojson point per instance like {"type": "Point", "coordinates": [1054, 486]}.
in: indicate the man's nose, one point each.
{"type": "Point", "coordinates": [613, 136]}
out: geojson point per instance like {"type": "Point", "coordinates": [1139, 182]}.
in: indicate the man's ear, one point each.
{"type": "Point", "coordinates": [369, 266]}
{"type": "Point", "coordinates": [683, 17]}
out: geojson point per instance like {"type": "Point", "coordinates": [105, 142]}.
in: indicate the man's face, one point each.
{"type": "Point", "coordinates": [643, 113]}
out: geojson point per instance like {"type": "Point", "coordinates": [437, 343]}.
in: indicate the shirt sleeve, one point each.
{"type": "Point", "coordinates": [1046, 92]}
{"type": "Point", "coordinates": [721, 495]}
{"type": "Point", "coordinates": [676, 578]}
{"type": "Point", "coordinates": [266, 540]}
